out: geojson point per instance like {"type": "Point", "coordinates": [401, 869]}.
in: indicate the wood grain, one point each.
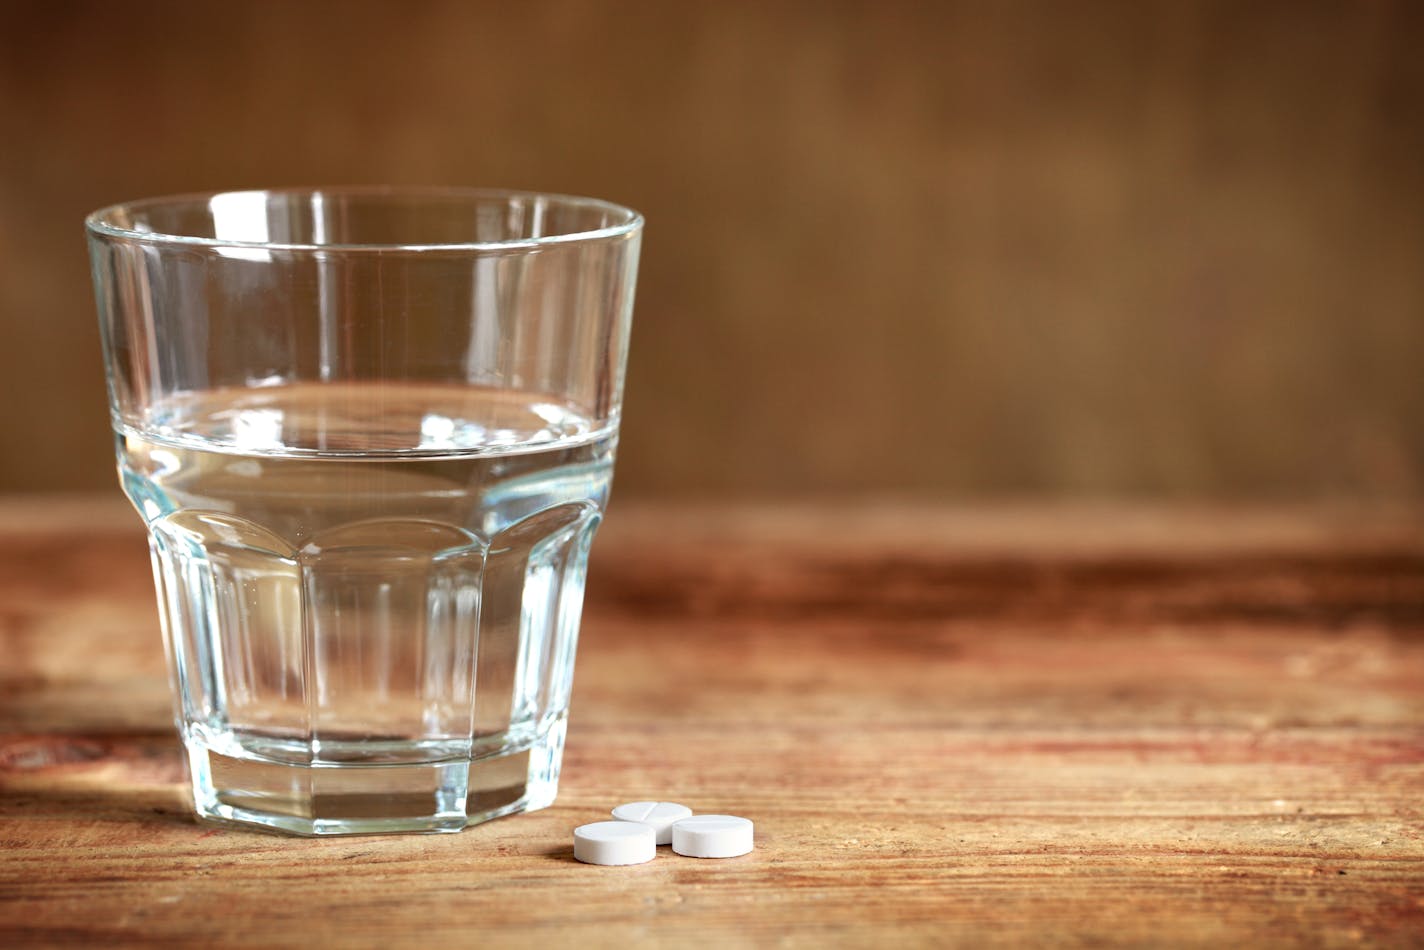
{"type": "Point", "coordinates": [990, 728]}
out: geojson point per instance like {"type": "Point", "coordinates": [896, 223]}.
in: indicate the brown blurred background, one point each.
{"type": "Point", "coordinates": [1166, 250]}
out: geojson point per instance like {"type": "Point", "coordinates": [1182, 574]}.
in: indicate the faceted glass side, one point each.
{"type": "Point", "coordinates": [388, 675]}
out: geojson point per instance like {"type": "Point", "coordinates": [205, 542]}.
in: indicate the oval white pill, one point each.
{"type": "Point", "coordinates": [615, 842]}
{"type": "Point", "coordinates": [712, 836]}
{"type": "Point", "coordinates": [658, 815]}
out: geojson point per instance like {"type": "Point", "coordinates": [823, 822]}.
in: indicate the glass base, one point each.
{"type": "Point", "coordinates": [349, 799]}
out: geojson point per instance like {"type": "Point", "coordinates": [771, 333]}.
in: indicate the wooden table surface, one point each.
{"type": "Point", "coordinates": [951, 727]}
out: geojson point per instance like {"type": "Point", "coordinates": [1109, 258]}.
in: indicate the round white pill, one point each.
{"type": "Point", "coordinates": [614, 842]}
{"type": "Point", "coordinates": [712, 836]}
{"type": "Point", "coordinates": [658, 815]}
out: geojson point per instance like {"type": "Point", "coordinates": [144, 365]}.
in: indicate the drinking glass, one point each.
{"type": "Point", "coordinates": [371, 433]}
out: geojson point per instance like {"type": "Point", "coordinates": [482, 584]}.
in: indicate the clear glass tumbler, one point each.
{"type": "Point", "coordinates": [371, 433]}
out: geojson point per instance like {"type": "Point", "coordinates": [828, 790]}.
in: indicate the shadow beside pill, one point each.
{"type": "Point", "coordinates": [562, 856]}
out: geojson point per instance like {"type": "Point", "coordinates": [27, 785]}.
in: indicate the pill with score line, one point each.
{"type": "Point", "coordinates": [657, 815]}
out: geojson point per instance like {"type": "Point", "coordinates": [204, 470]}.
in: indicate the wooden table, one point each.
{"type": "Point", "coordinates": [951, 727]}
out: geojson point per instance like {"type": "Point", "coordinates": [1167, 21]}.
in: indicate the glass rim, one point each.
{"type": "Point", "coordinates": [99, 223]}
